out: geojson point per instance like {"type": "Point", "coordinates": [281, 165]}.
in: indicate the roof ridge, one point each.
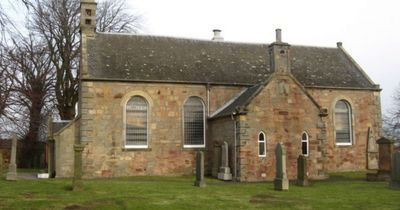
{"type": "Point", "coordinates": [182, 38]}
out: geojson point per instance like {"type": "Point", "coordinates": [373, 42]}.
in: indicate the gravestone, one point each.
{"type": "Point", "coordinates": [216, 160]}
{"type": "Point", "coordinates": [77, 183]}
{"type": "Point", "coordinates": [372, 151]}
{"type": "Point", "coordinates": [200, 170]}
{"type": "Point", "coordinates": [385, 158]}
{"type": "Point", "coordinates": [384, 162]}
{"type": "Point", "coordinates": [281, 181]}
{"type": "Point", "coordinates": [12, 168]}
{"type": "Point", "coordinates": [302, 171]}
{"type": "Point", "coordinates": [224, 170]}
{"type": "Point", "coordinates": [395, 176]}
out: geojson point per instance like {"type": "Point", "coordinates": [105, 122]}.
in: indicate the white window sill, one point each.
{"type": "Point", "coordinates": [344, 144]}
{"type": "Point", "coordinates": [194, 146]}
{"type": "Point", "coordinates": [137, 147]}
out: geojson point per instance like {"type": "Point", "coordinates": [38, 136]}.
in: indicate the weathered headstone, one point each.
{"type": "Point", "coordinates": [224, 170]}
{"type": "Point", "coordinates": [216, 160]}
{"type": "Point", "coordinates": [385, 155]}
{"type": "Point", "coordinates": [302, 171]}
{"type": "Point", "coordinates": [12, 168]}
{"type": "Point", "coordinates": [372, 151]}
{"type": "Point", "coordinates": [77, 183]}
{"type": "Point", "coordinates": [395, 176]}
{"type": "Point", "coordinates": [281, 181]}
{"type": "Point", "coordinates": [200, 170]}
{"type": "Point", "coordinates": [384, 162]}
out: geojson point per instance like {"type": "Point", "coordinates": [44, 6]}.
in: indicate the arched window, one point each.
{"type": "Point", "coordinates": [343, 123]}
{"type": "Point", "coordinates": [136, 114]}
{"type": "Point", "coordinates": [262, 145]}
{"type": "Point", "coordinates": [193, 122]}
{"type": "Point", "coordinates": [304, 144]}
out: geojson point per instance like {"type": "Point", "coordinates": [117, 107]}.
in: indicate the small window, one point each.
{"type": "Point", "coordinates": [262, 144]}
{"type": "Point", "coordinates": [136, 135]}
{"type": "Point", "coordinates": [193, 122]}
{"type": "Point", "coordinates": [343, 124]}
{"type": "Point", "coordinates": [304, 144]}
{"type": "Point", "coordinates": [88, 12]}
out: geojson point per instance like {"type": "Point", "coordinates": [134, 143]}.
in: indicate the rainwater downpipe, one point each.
{"type": "Point", "coordinates": [235, 146]}
{"type": "Point", "coordinates": [208, 99]}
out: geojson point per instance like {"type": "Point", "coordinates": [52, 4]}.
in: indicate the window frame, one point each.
{"type": "Point", "coordinates": [350, 118]}
{"type": "Point", "coordinates": [265, 144]}
{"type": "Point", "coordinates": [307, 141]}
{"type": "Point", "coordinates": [188, 146]}
{"type": "Point", "coordinates": [147, 124]}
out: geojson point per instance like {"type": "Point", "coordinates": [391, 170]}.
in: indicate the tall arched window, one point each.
{"type": "Point", "coordinates": [193, 122]}
{"type": "Point", "coordinates": [262, 145]}
{"type": "Point", "coordinates": [343, 124]}
{"type": "Point", "coordinates": [304, 144]}
{"type": "Point", "coordinates": [136, 113]}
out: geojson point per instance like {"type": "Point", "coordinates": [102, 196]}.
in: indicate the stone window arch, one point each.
{"type": "Point", "coordinates": [136, 122]}
{"type": "Point", "coordinates": [193, 123]}
{"type": "Point", "coordinates": [305, 147]}
{"type": "Point", "coordinates": [262, 144]}
{"type": "Point", "coordinates": [343, 123]}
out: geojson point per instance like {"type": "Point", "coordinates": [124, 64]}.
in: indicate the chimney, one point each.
{"type": "Point", "coordinates": [278, 32]}
{"type": "Point", "coordinates": [88, 17]}
{"type": "Point", "coordinates": [217, 35]}
{"type": "Point", "coordinates": [279, 53]}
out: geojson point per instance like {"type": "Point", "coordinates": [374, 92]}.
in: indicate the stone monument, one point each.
{"type": "Point", "coordinates": [395, 176]}
{"type": "Point", "coordinates": [302, 171]}
{"type": "Point", "coordinates": [77, 183]}
{"type": "Point", "coordinates": [224, 170]}
{"type": "Point", "coordinates": [12, 168]}
{"type": "Point", "coordinates": [281, 181]}
{"type": "Point", "coordinates": [216, 160]}
{"type": "Point", "coordinates": [384, 162]}
{"type": "Point", "coordinates": [200, 170]}
{"type": "Point", "coordinates": [372, 151]}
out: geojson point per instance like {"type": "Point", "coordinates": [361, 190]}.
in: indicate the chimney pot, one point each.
{"type": "Point", "coordinates": [217, 35]}
{"type": "Point", "coordinates": [339, 44]}
{"type": "Point", "coordinates": [278, 35]}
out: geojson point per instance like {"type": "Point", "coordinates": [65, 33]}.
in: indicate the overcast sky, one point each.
{"type": "Point", "coordinates": [369, 30]}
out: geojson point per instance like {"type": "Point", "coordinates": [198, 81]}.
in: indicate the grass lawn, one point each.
{"type": "Point", "coordinates": [341, 191]}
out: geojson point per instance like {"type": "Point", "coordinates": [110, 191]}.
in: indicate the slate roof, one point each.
{"type": "Point", "coordinates": [240, 101]}
{"type": "Point", "coordinates": [166, 59]}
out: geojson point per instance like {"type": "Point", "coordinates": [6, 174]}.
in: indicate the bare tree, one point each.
{"type": "Point", "coordinates": [57, 22]}
{"type": "Point", "coordinates": [6, 83]}
{"type": "Point", "coordinates": [33, 89]}
{"type": "Point", "coordinates": [115, 16]}
{"type": "Point", "coordinates": [391, 121]}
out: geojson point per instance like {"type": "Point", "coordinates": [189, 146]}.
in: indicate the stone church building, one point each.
{"type": "Point", "coordinates": [148, 103]}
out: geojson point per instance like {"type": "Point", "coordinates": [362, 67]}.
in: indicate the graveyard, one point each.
{"type": "Point", "coordinates": [348, 190]}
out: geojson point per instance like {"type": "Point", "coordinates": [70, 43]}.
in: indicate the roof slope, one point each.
{"type": "Point", "coordinates": [241, 100]}
{"type": "Point", "coordinates": [151, 58]}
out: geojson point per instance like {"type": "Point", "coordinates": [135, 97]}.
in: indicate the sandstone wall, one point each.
{"type": "Point", "coordinates": [220, 130]}
{"type": "Point", "coordinates": [102, 128]}
{"type": "Point", "coordinates": [64, 150]}
{"type": "Point", "coordinates": [282, 111]}
{"type": "Point", "coordinates": [366, 112]}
